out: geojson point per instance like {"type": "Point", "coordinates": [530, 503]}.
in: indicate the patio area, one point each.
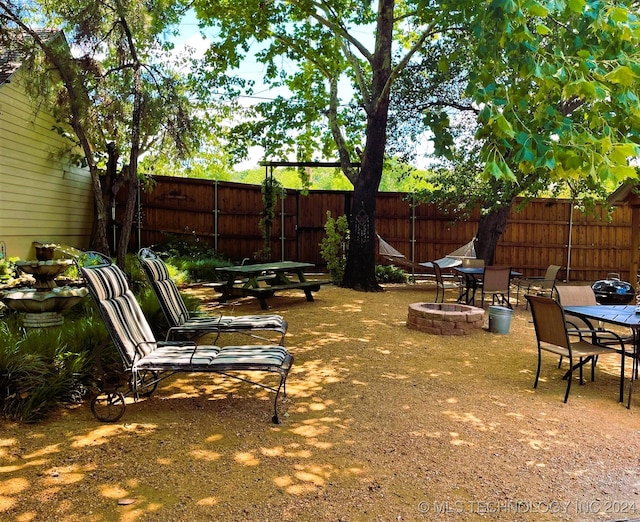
{"type": "Point", "coordinates": [382, 422]}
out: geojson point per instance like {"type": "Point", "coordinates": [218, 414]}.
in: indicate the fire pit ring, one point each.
{"type": "Point", "coordinates": [445, 318]}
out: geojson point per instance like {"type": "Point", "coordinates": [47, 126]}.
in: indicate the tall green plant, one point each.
{"type": "Point", "coordinates": [333, 246]}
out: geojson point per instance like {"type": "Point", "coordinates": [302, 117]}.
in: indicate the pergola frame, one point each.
{"type": "Point", "coordinates": [268, 172]}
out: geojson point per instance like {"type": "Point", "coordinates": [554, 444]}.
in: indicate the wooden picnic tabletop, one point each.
{"type": "Point", "coordinates": [276, 266]}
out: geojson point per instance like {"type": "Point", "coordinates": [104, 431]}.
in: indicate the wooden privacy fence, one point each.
{"type": "Point", "coordinates": [226, 216]}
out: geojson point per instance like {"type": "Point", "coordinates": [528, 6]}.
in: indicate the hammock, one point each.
{"type": "Point", "coordinates": [450, 260]}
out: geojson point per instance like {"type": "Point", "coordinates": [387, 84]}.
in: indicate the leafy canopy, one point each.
{"type": "Point", "coordinates": [554, 83]}
{"type": "Point", "coordinates": [558, 89]}
{"type": "Point", "coordinates": [500, 101]}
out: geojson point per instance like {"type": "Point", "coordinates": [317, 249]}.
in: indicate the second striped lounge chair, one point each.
{"type": "Point", "coordinates": [183, 326]}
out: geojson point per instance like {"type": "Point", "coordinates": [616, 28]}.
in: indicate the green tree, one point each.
{"type": "Point", "coordinates": [553, 84]}
{"type": "Point", "coordinates": [554, 102]}
{"type": "Point", "coordinates": [322, 39]}
{"type": "Point", "coordinates": [116, 96]}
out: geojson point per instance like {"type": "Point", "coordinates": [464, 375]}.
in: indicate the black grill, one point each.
{"type": "Point", "coordinates": [613, 291]}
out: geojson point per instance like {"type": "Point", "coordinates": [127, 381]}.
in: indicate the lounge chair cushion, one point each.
{"type": "Point", "coordinates": [108, 283]}
{"type": "Point", "coordinates": [238, 322]}
{"type": "Point", "coordinates": [168, 357]}
{"type": "Point", "coordinates": [121, 311]}
{"type": "Point", "coordinates": [244, 357]}
{"type": "Point", "coordinates": [157, 269]}
{"type": "Point", "coordinates": [214, 358]}
{"type": "Point", "coordinates": [166, 291]}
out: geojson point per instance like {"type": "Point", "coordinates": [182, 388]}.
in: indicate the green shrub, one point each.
{"type": "Point", "coordinates": [152, 311]}
{"type": "Point", "coordinates": [42, 368]}
{"type": "Point", "coordinates": [333, 246]}
{"type": "Point", "coordinates": [189, 245]}
{"type": "Point", "coordinates": [190, 259]}
{"type": "Point", "coordinates": [135, 275]}
{"type": "Point", "coordinates": [390, 274]}
{"type": "Point", "coordinates": [7, 268]}
{"type": "Point", "coordinates": [187, 270]}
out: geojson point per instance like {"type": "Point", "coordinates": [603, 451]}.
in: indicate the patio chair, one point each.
{"type": "Point", "coordinates": [496, 281]}
{"type": "Point", "coordinates": [544, 285]}
{"type": "Point", "coordinates": [583, 295]}
{"type": "Point", "coordinates": [576, 295]}
{"type": "Point", "coordinates": [148, 361]}
{"type": "Point", "coordinates": [445, 282]}
{"type": "Point", "coordinates": [552, 336]}
{"type": "Point", "coordinates": [183, 326]}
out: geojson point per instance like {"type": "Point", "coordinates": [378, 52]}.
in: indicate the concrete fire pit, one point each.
{"type": "Point", "coordinates": [445, 318]}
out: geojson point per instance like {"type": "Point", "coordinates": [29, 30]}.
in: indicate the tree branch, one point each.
{"type": "Point", "coordinates": [336, 131]}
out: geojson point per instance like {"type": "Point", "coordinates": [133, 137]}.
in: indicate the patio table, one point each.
{"type": "Point", "coordinates": [620, 315]}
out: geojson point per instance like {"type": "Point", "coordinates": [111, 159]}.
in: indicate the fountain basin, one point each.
{"type": "Point", "coordinates": [44, 272]}
{"type": "Point", "coordinates": [43, 308]}
{"type": "Point", "coordinates": [44, 251]}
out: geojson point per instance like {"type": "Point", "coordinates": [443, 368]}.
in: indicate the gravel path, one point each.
{"type": "Point", "coordinates": [381, 423]}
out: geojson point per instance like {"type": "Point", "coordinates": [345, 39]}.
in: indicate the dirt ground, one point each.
{"type": "Point", "coordinates": [380, 423]}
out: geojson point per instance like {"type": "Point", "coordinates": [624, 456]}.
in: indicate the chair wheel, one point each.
{"type": "Point", "coordinates": [108, 406]}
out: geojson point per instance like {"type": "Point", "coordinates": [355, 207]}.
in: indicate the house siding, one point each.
{"type": "Point", "coordinates": [42, 196]}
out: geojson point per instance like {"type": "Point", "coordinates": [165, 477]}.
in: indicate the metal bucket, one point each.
{"type": "Point", "coordinates": [500, 319]}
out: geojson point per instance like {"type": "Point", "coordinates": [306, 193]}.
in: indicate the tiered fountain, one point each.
{"type": "Point", "coordinates": [43, 302]}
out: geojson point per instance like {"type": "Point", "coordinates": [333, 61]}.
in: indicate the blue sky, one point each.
{"type": "Point", "coordinates": [250, 69]}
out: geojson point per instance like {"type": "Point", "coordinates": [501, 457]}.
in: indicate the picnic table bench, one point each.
{"type": "Point", "coordinates": [263, 280]}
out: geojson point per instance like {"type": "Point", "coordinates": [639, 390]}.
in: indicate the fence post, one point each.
{"type": "Point", "coordinates": [570, 239]}
{"type": "Point", "coordinates": [413, 234]}
{"type": "Point", "coordinates": [215, 215]}
{"type": "Point", "coordinates": [282, 236]}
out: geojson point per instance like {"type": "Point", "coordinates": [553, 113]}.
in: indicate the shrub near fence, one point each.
{"type": "Point", "coordinates": [226, 215]}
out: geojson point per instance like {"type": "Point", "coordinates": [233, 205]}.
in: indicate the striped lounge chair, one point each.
{"type": "Point", "coordinates": [148, 361]}
{"type": "Point", "coordinates": [182, 325]}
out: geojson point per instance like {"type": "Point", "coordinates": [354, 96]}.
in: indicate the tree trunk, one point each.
{"type": "Point", "coordinates": [131, 173]}
{"type": "Point", "coordinates": [99, 240]}
{"type": "Point", "coordinates": [360, 273]}
{"type": "Point", "coordinates": [490, 228]}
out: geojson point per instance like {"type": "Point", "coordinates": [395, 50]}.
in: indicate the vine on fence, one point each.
{"type": "Point", "coordinates": [271, 189]}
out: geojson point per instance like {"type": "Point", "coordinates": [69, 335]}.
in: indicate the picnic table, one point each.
{"type": "Point", "coordinates": [263, 280]}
